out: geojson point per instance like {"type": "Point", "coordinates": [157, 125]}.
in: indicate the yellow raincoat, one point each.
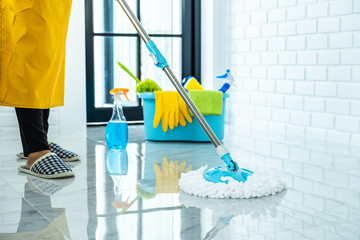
{"type": "Point", "coordinates": [32, 48]}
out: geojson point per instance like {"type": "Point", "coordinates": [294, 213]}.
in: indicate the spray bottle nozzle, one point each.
{"type": "Point", "coordinates": [229, 77]}
{"type": "Point", "coordinates": [120, 91]}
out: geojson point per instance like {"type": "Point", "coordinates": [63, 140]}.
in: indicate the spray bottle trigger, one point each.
{"type": "Point", "coordinates": [120, 91]}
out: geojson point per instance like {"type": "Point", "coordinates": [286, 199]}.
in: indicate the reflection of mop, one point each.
{"type": "Point", "coordinates": [231, 173]}
{"type": "Point", "coordinates": [220, 224]}
{"type": "Point", "coordinates": [255, 207]}
{"type": "Point", "coordinates": [229, 208]}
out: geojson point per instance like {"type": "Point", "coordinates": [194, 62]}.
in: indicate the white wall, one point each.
{"type": "Point", "coordinates": [72, 117]}
{"type": "Point", "coordinates": [297, 67]}
{"type": "Point", "coordinates": [213, 39]}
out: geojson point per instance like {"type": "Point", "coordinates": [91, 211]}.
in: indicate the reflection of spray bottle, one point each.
{"type": "Point", "coordinates": [230, 78]}
{"type": "Point", "coordinates": [117, 168]}
{"type": "Point", "coordinates": [117, 162]}
{"type": "Point", "coordinates": [117, 128]}
{"type": "Point", "coordinates": [141, 193]}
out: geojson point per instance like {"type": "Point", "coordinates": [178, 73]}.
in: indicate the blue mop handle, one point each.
{"type": "Point", "coordinates": [225, 156]}
{"type": "Point", "coordinates": [158, 58]}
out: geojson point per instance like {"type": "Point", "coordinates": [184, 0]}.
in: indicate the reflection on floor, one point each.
{"type": "Point", "coordinates": [133, 194]}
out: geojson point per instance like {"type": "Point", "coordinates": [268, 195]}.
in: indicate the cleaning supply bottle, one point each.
{"type": "Point", "coordinates": [191, 83]}
{"type": "Point", "coordinates": [224, 87]}
{"type": "Point", "coordinates": [117, 128]}
{"type": "Point", "coordinates": [229, 77]}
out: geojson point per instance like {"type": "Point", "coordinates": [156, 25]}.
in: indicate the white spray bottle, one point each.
{"type": "Point", "coordinates": [230, 78]}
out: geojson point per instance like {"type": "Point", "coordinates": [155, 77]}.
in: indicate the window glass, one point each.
{"type": "Point", "coordinates": [109, 17]}
{"type": "Point", "coordinates": [171, 50]}
{"type": "Point", "coordinates": [111, 37]}
{"type": "Point", "coordinates": [161, 16]}
{"type": "Point", "coordinates": [108, 74]}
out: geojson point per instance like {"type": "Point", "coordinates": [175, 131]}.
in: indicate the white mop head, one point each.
{"type": "Point", "coordinates": [262, 183]}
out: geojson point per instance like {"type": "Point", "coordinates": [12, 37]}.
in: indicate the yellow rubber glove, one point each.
{"type": "Point", "coordinates": [183, 112]}
{"type": "Point", "coordinates": [167, 178]}
{"type": "Point", "coordinates": [166, 109]}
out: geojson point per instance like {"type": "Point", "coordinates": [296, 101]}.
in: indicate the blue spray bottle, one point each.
{"type": "Point", "coordinates": [230, 78]}
{"type": "Point", "coordinates": [117, 129]}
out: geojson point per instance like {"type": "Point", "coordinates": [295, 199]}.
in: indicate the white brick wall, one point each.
{"type": "Point", "coordinates": [298, 63]}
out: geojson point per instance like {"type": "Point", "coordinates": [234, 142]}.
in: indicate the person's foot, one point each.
{"type": "Point", "coordinates": [48, 165]}
{"type": "Point", "coordinates": [32, 157]}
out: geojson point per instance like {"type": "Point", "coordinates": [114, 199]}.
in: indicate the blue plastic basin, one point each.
{"type": "Point", "coordinates": [191, 132]}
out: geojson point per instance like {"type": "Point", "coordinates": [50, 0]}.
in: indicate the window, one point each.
{"type": "Point", "coordinates": [174, 25]}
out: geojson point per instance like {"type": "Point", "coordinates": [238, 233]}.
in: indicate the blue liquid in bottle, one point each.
{"type": "Point", "coordinates": [117, 135]}
{"type": "Point", "coordinates": [117, 162]}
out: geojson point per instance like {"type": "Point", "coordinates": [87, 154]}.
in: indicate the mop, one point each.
{"type": "Point", "coordinates": [228, 181]}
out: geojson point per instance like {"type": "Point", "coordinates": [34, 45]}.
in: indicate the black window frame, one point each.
{"type": "Point", "coordinates": [191, 56]}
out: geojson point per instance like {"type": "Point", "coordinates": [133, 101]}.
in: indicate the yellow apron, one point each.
{"type": "Point", "coordinates": [32, 48]}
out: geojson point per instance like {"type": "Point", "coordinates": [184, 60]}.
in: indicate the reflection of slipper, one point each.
{"type": "Point", "coordinates": [65, 155]}
{"type": "Point", "coordinates": [48, 166]}
{"type": "Point", "coordinates": [48, 187]}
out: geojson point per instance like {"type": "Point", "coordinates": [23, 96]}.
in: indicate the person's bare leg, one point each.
{"type": "Point", "coordinates": [32, 157]}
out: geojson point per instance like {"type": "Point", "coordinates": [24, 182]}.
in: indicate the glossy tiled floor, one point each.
{"type": "Point", "coordinates": [133, 195]}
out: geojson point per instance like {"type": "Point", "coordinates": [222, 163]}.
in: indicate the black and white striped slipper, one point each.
{"type": "Point", "coordinates": [65, 155]}
{"type": "Point", "coordinates": [48, 166]}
